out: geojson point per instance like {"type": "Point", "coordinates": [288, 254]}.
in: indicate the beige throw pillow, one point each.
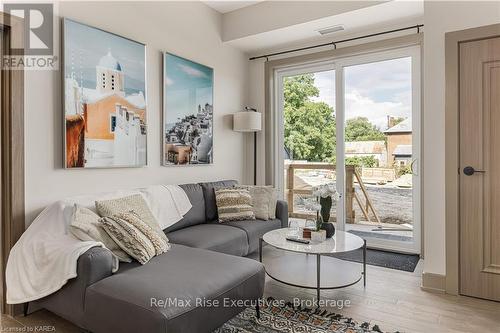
{"type": "Point", "coordinates": [135, 236]}
{"type": "Point", "coordinates": [135, 203]}
{"type": "Point", "coordinates": [234, 204]}
{"type": "Point", "coordinates": [85, 225]}
{"type": "Point", "coordinates": [264, 200]}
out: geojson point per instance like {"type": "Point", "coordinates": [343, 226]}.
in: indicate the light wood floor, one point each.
{"type": "Point", "coordinates": [392, 299]}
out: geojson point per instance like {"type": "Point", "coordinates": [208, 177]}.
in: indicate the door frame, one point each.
{"type": "Point", "coordinates": [12, 153]}
{"type": "Point", "coordinates": [452, 148]}
{"type": "Point", "coordinates": [338, 64]}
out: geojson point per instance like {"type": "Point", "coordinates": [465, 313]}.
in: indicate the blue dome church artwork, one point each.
{"type": "Point", "coordinates": [104, 99]}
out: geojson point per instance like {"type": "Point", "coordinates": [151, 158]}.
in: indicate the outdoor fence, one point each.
{"type": "Point", "coordinates": [352, 175]}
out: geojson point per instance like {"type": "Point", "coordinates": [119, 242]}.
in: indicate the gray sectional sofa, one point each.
{"type": "Point", "coordinates": [206, 263]}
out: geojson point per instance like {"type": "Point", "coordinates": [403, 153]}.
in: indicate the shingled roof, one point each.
{"type": "Point", "coordinates": [402, 150]}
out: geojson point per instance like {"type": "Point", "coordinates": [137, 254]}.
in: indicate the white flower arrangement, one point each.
{"type": "Point", "coordinates": [325, 191]}
{"type": "Point", "coordinates": [312, 205]}
{"type": "Point", "coordinates": [321, 191]}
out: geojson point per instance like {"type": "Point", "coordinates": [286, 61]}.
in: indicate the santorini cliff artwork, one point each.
{"type": "Point", "coordinates": [187, 112]}
{"type": "Point", "coordinates": [104, 99]}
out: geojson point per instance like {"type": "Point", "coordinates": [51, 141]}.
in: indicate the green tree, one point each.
{"type": "Point", "coordinates": [360, 129]}
{"type": "Point", "coordinates": [402, 170]}
{"type": "Point", "coordinates": [309, 126]}
{"type": "Point", "coordinates": [357, 161]}
{"type": "Point", "coordinates": [310, 131]}
{"type": "Point", "coordinates": [362, 161]}
{"type": "Point", "coordinates": [298, 90]}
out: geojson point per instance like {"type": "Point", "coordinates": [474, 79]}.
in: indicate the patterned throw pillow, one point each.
{"type": "Point", "coordinates": [264, 200]}
{"type": "Point", "coordinates": [135, 203]}
{"type": "Point", "coordinates": [234, 204]}
{"type": "Point", "coordinates": [85, 226]}
{"type": "Point", "coordinates": [135, 236]}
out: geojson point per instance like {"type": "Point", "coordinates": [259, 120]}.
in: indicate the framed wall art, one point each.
{"type": "Point", "coordinates": [105, 109]}
{"type": "Point", "coordinates": [187, 112]}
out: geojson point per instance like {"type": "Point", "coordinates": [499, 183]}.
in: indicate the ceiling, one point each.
{"type": "Point", "coordinates": [228, 6]}
{"type": "Point", "coordinates": [385, 16]}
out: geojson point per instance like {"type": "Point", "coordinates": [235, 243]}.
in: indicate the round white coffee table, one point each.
{"type": "Point", "coordinates": [294, 265]}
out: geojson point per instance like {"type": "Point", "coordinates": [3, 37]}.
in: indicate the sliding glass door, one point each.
{"type": "Point", "coordinates": [381, 148]}
{"type": "Point", "coordinates": [307, 139]}
{"type": "Point", "coordinates": [354, 122]}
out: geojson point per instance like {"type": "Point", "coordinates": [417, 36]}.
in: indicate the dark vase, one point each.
{"type": "Point", "coordinates": [326, 206]}
{"type": "Point", "coordinates": [329, 228]}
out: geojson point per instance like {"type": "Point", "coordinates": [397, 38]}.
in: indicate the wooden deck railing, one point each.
{"type": "Point", "coordinates": [363, 199]}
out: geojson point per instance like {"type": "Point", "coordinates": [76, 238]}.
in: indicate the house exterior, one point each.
{"type": "Point", "coordinates": [376, 149]}
{"type": "Point", "coordinates": [399, 135]}
{"type": "Point", "coordinates": [402, 155]}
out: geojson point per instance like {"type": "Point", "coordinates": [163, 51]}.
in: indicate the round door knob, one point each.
{"type": "Point", "coordinates": [469, 171]}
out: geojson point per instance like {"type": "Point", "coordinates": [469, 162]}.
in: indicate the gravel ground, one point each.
{"type": "Point", "coordinates": [392, 204]}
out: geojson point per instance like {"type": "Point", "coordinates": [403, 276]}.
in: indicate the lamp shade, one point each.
{"type": "Point", "coordinates": [247, 121]}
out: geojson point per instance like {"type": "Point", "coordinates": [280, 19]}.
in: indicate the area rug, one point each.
{"type": "Point", "coordinates": [387, 259]}
{"type": "Point", "coordinates": [287, 319]}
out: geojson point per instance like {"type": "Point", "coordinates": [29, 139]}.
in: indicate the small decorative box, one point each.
{"type": "Point", "coordinates": [318, 236]}
{"type": "Point", "coordinates": [306, 233]}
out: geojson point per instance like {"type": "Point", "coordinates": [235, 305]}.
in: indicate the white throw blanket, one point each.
{"type": "Point", "coordinates": [45, 257]}
{"type": "Point", "coordinates": [167, 203]}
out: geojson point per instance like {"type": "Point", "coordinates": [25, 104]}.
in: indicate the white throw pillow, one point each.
{"type": "Point", "coordinates": [85, 226]}
{"type": "Point", "coordinates": [264, 200]}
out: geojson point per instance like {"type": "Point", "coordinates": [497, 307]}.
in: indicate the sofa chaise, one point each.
{"type": "Point", "coordinates": [176, 291]}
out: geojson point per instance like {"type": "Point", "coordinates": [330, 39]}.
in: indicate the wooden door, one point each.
{"type": "Point", "coordinates": [11, 151]}
{"type": "Point", "coordinates": [479, 103]}
{"type": "Point", "coordinates": [3, 262]}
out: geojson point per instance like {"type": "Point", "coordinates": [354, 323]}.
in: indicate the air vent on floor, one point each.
{"type": "Point", "coordinates": [330, 30]}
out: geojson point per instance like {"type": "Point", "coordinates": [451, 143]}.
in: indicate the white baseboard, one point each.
{"type": "Point", "coordinates": [435, 283]}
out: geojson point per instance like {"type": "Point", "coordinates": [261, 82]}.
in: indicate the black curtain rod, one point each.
{"type": "Point", "coordinates": [418, 26]}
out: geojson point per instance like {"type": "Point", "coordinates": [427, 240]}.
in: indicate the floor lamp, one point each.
{"type": "Point", "coordinates": [249, 121]}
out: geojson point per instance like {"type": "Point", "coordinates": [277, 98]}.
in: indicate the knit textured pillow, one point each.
{"type": "Point", "coordinates": [85, 226]}
{"type": "Point", "coordinates": [135, 203]}
{"type": "Point", "coordinates": [135, 236]}
{"type": "Point", "coordinates": [234, 204]}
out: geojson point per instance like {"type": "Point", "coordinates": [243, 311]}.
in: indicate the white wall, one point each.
{"type": "Point", "coordinates": [191, 30]}
{"type": "Point", "coordinates": [439, 18]}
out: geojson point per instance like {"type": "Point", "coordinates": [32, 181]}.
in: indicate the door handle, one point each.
{"type": "Point", "coordinates": [411, 167]}
{"type": "Point", "coordinates": [469, 171]}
